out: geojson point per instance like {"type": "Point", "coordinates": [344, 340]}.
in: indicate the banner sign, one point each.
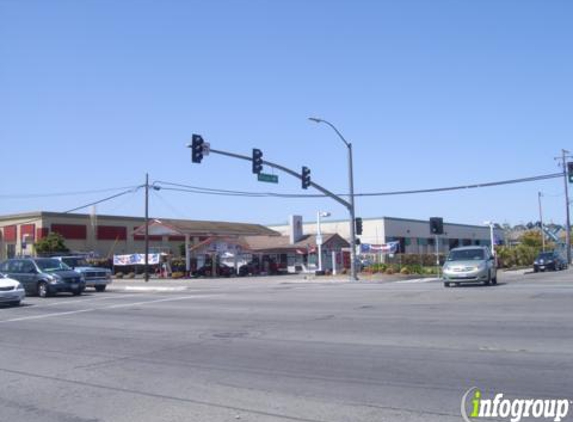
{"type": "Point", "coordinates": [385, 248]}
{"type": "Point", "coordinates": [136, 259]}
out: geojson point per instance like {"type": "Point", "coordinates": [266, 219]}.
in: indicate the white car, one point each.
{"type": "Point", "coordinates": [11, 291]}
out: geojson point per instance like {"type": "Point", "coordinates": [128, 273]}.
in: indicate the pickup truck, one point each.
{"type": "Point", "coordinates": [95, 277]}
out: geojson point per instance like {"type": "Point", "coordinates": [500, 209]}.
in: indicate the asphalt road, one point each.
{"type": "Point", "coordinates": [276, 350]}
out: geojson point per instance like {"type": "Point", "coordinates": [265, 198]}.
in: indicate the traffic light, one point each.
{"type": "Point", "coordinates": [257, 160]}
{"type": "Point", "coordinates": [358, 225]}
{"type": "Point", "coordinates": [197, 148]}
{"type": "Point", "coordinates": [570, 171]}
{"type": "Point", "coordinates": [437, 225]}
{"type": "Point", "coordinates": [305, 177]}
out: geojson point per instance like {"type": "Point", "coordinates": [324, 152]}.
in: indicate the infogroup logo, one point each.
{"type": "Point", "coordinates": [475, 407]}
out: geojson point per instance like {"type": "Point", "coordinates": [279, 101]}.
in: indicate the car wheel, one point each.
{"type": "Point", "coordinates": [15, 303]}
{"type": "Point", "coordinates": [457, 284]}
{"type": "Point", "coordinates": [494, 280]}
{"type": "Point", "coordinates": [535, 270]}
{"type": "Point", "coordinates": [43, 290]}
{"type": "Point", "coordinates": [77, 292]}
{"type": "Point", "coordinates": [446, 284]}
{"type": "Point", "coordinates": [100, 288]}
{"type": "Point", "coordinates": [487, 282]}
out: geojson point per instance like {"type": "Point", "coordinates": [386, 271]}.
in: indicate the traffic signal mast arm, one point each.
{"type": "Point", "coordinates": [286, 170]}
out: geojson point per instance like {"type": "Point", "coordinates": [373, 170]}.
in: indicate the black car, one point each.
{"type": "Point", "coordinates": [44, 276]}
{"type": "Point", "coordinates": [549, 261]}
{"type": "Point", "coordinates": [207, 271]}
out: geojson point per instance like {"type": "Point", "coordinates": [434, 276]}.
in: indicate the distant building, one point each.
{"type": "Point", "coordinates": [413, 236]}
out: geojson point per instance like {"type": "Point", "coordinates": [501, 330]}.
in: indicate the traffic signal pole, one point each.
{"type": "Point", "coordinates": [286, 170]}
{"type": "Point", "coordinates": [568, 233]}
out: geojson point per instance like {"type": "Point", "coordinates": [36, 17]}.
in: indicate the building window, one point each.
{"type": "Point", "coordinates": [111, 233]}
{"type": "Point", "coordinates": [71, 231]}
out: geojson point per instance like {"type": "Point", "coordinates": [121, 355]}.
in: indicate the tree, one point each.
{"type": "Point", "coordinates": [531, 238]}
{"type": "Point", "coordinates": [52, 243]}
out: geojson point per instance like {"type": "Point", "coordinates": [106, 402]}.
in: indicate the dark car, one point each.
{"type": "Point", "coordinates": [44, 276]}
{"type": "Point", "coordinates": [207, 271]}
{"type": "Point", "coordinates": [549, 261]}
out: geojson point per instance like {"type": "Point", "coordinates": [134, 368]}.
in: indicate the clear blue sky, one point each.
{"type": "Point", "coordinates": [94, 94]}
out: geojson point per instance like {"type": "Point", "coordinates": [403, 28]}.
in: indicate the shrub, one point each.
{"type": "Point", "coordinates": [389, 271]}
{"type": "Point", "coordinates": [405, 270]}
{"type": "Point", "coordinates": [119, 275]}
{"type": "Point", "coordinates": [130, 275]}
{"type": "Point", "coordinates": [177, 274]}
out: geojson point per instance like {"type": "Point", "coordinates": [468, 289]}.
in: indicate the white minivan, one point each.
{"type": "Point", "coordinates": [470, 264]}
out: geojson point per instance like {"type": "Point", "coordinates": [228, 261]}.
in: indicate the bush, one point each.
{"type": "Point", "coordinates": [119, 275]}
{"type": "Point", "coordinates": [178, 274]}
{"type": "Point", "coordinates": [389, 271]}
{"type": "Point", "coordinates": [405, 270]}
{"type": "Point", "coordinates": [130, 275]}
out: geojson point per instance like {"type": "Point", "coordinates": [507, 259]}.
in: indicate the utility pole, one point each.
{"type": "Point", "coordinates": [146, 270]}
{"type": "Point", "coordinates": [568, 223]}
{"type": "Point", "coordinates": [539, 195]}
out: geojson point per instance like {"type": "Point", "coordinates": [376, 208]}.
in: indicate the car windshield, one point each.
{"type": "Point", "coordinates": [75, 262]}
{"type": "Point", "coordinates": [49, 265]}
{"type": "Point", "coordinates": [467, 255]}
{"type": "Point", "coordinates": [545, 256]}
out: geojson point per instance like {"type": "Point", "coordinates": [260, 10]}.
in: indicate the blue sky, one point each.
{"type": "Point", "coordinates": [94, 94]}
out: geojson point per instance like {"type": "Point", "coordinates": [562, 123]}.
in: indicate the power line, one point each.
{"type": "Point", "coordinates": [225, 192]}
{"type": "Point", "coordinates": [56, 194]}
{"type": "Point", "coordinates": [109, 198]}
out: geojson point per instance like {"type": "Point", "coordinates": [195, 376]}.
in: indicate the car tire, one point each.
{"type": "Point", "coordinates": [494, 280]}
{"type": "Point", "coordinates": [15, 303]}
{"type": "Point", "coordinates": [446, 284]}
{"type": "Point", "coordinates": [77, 292]}
{"type": "Point", "coordinates": [43, 289]}
{"type": "Point", "coordinates": [487, 282]}
{"type": "Point", "coordinates": [100, 288]}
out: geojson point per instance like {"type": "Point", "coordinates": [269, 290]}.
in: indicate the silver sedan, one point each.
{"type": "Point", "coordinates": [11, 291]}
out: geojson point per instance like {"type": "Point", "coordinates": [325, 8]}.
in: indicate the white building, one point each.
{"type": "Point", "coordinates": [413, 235]}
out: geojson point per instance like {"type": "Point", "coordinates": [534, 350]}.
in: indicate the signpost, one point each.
{"type": "Point", "coordinates": [269, 178]}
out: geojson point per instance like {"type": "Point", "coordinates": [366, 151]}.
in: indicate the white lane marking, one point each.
{"type": "Point", "coordinates": [47, 315]}
{"type": "Point", "coordinates": [153, 289]}
{"type": "Point", "coordinates": [122, 305]}
{"type": "Point", "coordinates": [416, 280]}
{"type": "Point", "coordinates": [80, 300]}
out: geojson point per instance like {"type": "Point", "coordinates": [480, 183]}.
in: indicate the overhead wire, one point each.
{"type": "Point", "coordinates": [56, 194]}
{"type": "Point", "coordinates": [226, 192]}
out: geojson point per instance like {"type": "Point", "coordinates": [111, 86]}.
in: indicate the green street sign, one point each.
{"type": "Point", "coordinates": [269, 178]}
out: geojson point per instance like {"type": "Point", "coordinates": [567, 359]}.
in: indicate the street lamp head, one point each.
{"type": "Point", "coordinates": [315, 119]}
{"type": "Point", "coordinates": [324, 214]}
{"type": "Point", "coordinates": [488, 223]}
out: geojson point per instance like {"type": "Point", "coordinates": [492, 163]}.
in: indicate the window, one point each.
{"type": "Point", "coordinates": [27, 267]}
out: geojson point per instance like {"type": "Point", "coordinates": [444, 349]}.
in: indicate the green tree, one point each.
{"type": "Point", "coordinates": [52, 243]}
{"type": "Point", "coordinates": [531, 238]}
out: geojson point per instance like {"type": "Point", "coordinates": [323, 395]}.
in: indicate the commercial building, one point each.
{"type": "Point", "coordinates": [106, 235]}
{"type": "Point", "coordinates": [413, 236]}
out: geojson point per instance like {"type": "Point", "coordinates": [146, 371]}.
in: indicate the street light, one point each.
{"type": "Point", "coordinates": [319, 236]}
{"type": "Point", "coordinates": [351, 208]}
{"type": "Point", "coordinates": [490, 224]}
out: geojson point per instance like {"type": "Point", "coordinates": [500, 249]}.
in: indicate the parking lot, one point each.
{"type": "Point", "coordinates": [279, 349]}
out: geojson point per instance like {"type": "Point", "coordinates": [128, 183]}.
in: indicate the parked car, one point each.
{"type": "Point", "coordinates": [95, 277]}
{"type": "Point", "coordinates": [207, 271]}
{"type": "Point", "coordinates": [11, 291]}
{"type": "Point", "coordinates": [44, 276]}
{"type": "Point", "coordinates": [470, 264]}
{"type": "Point", "coordinates": [549, 261]}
